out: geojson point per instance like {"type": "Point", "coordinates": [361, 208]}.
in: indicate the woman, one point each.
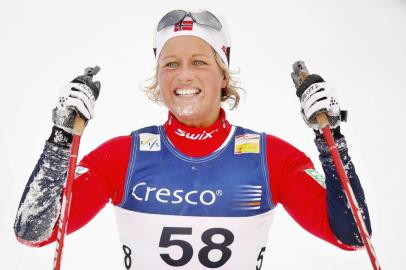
{"type": "Point", "coordinates": [196, 182]}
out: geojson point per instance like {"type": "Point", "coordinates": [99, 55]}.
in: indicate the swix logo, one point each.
{"type": "Point", "coordinates": [196, 137]}
{"type": "Point", "coordinates": [144, 193]}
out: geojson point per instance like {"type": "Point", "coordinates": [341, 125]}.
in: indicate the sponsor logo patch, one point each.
{"type": "Point", "coordinates": [150, 142]}
{"type": "Point", "coordinates": [144, 193]}
{"type": "Point", "coordinates": [60, 138]}
{"type": "Point", "coordinates": [247, 143]}
{"type": "Point", "coordinates": [316, 176]}
{"type": "Point", "coordinates": [196, 137]}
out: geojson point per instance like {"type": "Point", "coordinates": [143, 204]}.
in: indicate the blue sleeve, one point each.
{"type": "Point", "coordinates": [340, 216]}
{"type": "Point", "coordinates": [40, 203]}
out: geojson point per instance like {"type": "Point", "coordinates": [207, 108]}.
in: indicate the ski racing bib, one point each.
{"type": "Point", "coordinates": [211, 212]}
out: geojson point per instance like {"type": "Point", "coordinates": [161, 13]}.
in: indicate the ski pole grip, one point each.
{"type": "Point", "coordinates": [302, 80]}
{"type": "Point", "coordinates": [91, 71]}
{"type": "Point", "coordinates": [79, 125]}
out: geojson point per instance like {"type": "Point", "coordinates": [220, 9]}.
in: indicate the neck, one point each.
{"type": "Point", "coordinates": [197, 141]}
{"type": "Point", "coordinates": [192, 122]}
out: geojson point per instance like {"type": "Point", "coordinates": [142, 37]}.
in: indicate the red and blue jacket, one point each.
{"type": "Point", "coordinates": [318, 204]}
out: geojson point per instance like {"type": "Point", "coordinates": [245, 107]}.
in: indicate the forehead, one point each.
{"type": "Point", "coordinates": [186, 45]}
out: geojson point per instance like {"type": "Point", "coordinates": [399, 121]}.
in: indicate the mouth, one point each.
{"type": "Point", "coordinates": [187, 92]}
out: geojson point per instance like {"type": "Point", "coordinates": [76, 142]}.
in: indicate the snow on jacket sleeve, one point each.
{"type": "Point", "coordinates": [341, 219]}
{"type": "Point", "coordinates": [302, 191]}
{"type": "Point", "coordinates": [99, 179]}
{"type": "Point", "coordinates": [41, 200]}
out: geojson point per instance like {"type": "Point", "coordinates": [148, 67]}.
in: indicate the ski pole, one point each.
{"type": "Point", "coordinates": [299, 75]}
{"type": "Point", "coordinates": [78, 127]}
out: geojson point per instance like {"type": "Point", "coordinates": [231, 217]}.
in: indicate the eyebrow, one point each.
{"type": "Point", "coordinates": [193, 55]}
{"type": "Point", "coordinates": [200, 54]}
{"type": "Point", "coordinates": [169, 56]}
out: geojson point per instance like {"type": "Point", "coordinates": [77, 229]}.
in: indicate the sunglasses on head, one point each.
{"type": "Point", "coordinates": [204, 18]}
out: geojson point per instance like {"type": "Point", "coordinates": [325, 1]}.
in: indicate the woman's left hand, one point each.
{"type": "Point", "coordinates": [320, 97]}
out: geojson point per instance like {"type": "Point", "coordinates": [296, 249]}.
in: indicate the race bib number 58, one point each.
{"type": "Point", "coordinates": [168, 238]}
{"type": "Point", "coordinates": [188, 242]}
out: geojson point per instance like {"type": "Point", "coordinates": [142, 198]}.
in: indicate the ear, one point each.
{"type": "Point", "coordinates": [224, 83]}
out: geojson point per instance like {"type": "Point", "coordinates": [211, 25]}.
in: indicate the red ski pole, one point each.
{"type": "Point", "coordinates": [77, 131]}
{"type": "Point", "coordinates": [300, 68]}
{"type": "Point", "coordinates": [67, 194]}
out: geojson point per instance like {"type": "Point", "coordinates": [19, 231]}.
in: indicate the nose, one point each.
{"type": "Point", "coordinates": [185, 74]}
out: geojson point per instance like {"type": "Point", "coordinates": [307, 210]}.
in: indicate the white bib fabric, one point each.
{"type": "Point", "coordinates": [152, 241]}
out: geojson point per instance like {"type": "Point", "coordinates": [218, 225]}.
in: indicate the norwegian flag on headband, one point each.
{"type": "Point", "coordinates": [183, 25]}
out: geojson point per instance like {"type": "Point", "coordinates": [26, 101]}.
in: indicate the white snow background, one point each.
{"type": "Point", "coordinates": [358, 46]}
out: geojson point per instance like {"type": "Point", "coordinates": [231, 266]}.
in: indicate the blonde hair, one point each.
{"type": "Point", "coordinates": [229, 94]}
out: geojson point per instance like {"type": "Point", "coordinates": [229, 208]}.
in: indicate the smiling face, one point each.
{"type": "Point", "coordinates": [190, 80]}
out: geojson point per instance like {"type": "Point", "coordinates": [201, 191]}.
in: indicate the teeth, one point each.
{"type": "Point", "coordinates": [186, 92]}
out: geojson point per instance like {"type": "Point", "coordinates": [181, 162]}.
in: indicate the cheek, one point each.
{"type": "Point", "coordinates": [160, 77]}
{"type": "Point", "coordinates": [218, 82]}
{"type": "Point", "coordinates": [163, 80]}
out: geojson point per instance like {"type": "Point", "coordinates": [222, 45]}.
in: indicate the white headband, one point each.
{"type": "Point", "coordinates": [219, 40]}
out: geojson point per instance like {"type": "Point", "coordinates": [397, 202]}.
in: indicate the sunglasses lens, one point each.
{"type": "Point", "coordinates": [204, 18]}
{"type": "Point", "coordinates": [171, 18]}
{"type": "Point", "coordinates": [207, 18]}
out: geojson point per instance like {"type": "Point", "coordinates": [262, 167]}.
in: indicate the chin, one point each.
{"type": "Point", "coordinates": [184, 111]}
{"type": "Point", "coordinates": [188, 119]}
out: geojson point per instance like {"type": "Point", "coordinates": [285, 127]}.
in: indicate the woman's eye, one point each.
{"type": "Point", "coordinates": [199, 63]}
{"type": "Point", "coordinates": [171, 64]}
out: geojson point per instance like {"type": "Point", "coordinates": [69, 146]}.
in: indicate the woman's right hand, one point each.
{"type": "Point", "coordinates": [78, 96]}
